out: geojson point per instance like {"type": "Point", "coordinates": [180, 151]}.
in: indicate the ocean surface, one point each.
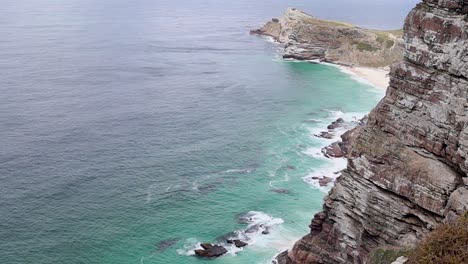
{"type": "Point", "coordinates": [131, 131]}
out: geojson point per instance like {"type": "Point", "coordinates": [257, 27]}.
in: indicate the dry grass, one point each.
{"type": "Point", "coordinates": [447, 244]}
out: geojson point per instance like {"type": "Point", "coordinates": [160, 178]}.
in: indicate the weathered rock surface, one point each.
{"type": "Point", "coordinates": [407, 168]}
{"type": "Point", "coordinates": [210, 251]}
{"type": "Point", "coordinates": [333, 151]}
{"type": "Point", "coordinates": [308, 38]}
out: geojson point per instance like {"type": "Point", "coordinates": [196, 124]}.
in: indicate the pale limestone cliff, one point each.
{"type": "Point", "coordinates": [308, 38]}
{"type": "Point", "coordinates": [407, 167]}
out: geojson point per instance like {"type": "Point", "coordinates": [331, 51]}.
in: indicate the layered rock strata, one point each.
{"type": "Point", "coordinates": [308, 38]}
{"type": "Point", "coordinates": [407, 168]}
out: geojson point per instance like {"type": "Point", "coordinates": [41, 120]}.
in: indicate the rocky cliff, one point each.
{"type": "Point", "coordinates": [308, 38]}
{"type": "Point", "coordinates": [407, 168]}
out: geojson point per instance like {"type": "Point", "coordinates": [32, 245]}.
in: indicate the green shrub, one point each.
{"type": "Point", "coordinates": [389, 43]}
{"type": "Point", "coordinates": [381, 39]}
{"type": "Point", "coordinates": [366, 47]}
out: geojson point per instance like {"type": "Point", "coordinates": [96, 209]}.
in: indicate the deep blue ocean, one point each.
{"type": "Point", "coordinates": [131, 131]}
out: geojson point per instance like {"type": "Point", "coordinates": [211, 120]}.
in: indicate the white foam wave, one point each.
{"type": "Point", "coordinates": [189, 248]}
{"type": "Point", "coordinates": [260, 226]}
{"type": "Point", "coordinates": [315, 152]}
{"type": "Point", "coordinates": [333, 166]}
{"type": "Point", "coordinates": [285, 179]}
{"type": "Point", "coordinates": [245, 170]}
{"type": "Point", "coordinates": [270, 39]}
{"type": "Point", "coordinates": [332, 169]}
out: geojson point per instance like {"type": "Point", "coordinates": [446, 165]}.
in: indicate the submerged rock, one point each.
{"type": "Point", "coordinates": [253, 229]}
{"type": "Point", "coordinates": [210, 251]}
{"type": "Point", "coordinates": [165, 244]}
{"type": "Point", "coordinates": [283, 191]}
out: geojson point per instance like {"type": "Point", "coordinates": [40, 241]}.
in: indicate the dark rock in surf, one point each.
{"type": "Point", "coordinates": [238, 243]}
{"type": "Point", "coordinates": [325, 134]}
{"type": "Point", "coordinates": [324, 181]}
{"type": "Point", "coordinates": [333, 151]}
{"type": "Point", "coordinates": [336, 124]}
{"type": "Point", "coordinates": [210, 251]}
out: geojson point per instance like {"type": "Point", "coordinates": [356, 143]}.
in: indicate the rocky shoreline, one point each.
{"type": "Point", "coordinates": [308, 38]}
{"type": "Point", "coordinates": [407, 169]}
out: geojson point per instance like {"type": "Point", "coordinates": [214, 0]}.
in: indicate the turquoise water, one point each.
{"type": "Point", "coordinates": [125, 125]}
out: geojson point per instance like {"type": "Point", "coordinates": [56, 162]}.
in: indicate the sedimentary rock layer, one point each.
{"type": "Point", "coordinates": [407, 168]}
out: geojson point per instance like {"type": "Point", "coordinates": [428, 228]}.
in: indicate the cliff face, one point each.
{"type": "Point", "coordinates": [407, 169]}
{"type": "Point", "coordinates": [309, 38]}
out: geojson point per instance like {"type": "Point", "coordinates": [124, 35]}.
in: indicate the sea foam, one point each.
{"type": "Point", "coordinates": [333, 166]}
{"type": "Point", "coordinates": [260, 227]}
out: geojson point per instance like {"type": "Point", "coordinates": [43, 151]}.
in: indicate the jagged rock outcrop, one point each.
{"type": "Point", "coordinates": [308, 38]}
{"type": "Point", "coordinates": [407, 168]}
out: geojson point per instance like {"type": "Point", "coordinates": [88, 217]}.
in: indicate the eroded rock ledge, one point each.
{"type": "Point", "coordinates": [407, 168]}
{"type": "Point", "coordinates": [308, 38]}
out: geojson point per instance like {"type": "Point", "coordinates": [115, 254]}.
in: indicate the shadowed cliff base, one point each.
{"type": "Point", "coordinates": [407, 168]}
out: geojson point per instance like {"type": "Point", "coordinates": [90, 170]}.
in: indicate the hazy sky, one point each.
{"type": "Point", "coordinates": [367, 13]}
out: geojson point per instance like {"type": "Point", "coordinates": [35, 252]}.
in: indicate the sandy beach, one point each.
{"type": "Point", "coordinates": [378, 77]}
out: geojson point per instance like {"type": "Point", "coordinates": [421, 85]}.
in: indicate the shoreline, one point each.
{"type": "Point", "coordinates": [375, 77]}
{"type": "Point", "coordinates": [378, 77]}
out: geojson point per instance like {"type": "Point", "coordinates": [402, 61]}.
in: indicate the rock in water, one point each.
{"type": "Point", "coordinates": [283, 191]}
{"type": "Point", "coordinates": [325, 134]}
{"type": "Point", "coordinates": [238, 243]}
{"type": "Point", "coordinates": [324, 181]}
{"type": "Point", "coordinates": [333, 151]}
{"type": "Point", "coordinates": [210, 251]}
{"type": "Point", "coordinates": [336, 124]}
